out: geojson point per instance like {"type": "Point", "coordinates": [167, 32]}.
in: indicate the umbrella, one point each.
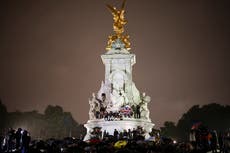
{"type": "Point", "coordinates": [120, 144]}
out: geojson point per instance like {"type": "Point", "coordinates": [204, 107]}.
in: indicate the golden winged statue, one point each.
{"type": "Point", "coordinates": [118, 26]}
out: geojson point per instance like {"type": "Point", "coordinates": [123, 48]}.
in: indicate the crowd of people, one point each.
{"type": "Point", "coordinates": [15, 141]}
{"type": "Point", "coordinates": [124, 112]}
{"type": "Point", "coordinates": [130, 141]}
{"type": "Point", "coordinates": [101, 109]}
{"type": "Point", "coordinates": [202, 138]}
{"type": "Point", "coordinates": [117, 135]}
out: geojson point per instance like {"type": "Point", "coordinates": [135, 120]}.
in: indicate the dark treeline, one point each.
{"type": "Point", "coordinates": [53, 123]}
{"type": "Point", "coordinates": [212, 116]}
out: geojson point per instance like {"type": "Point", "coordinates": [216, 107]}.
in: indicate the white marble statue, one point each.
{"type": "Point", "coordinates": [144, 106]}
{"type": "Point", "coordinates": [91, 110]}
{"type": "Point", "coordinates": [94, 107]}
{"type": "Point", "coordinates": [118, 90]}
{"type": "Point", "coordinates": [117, 100]}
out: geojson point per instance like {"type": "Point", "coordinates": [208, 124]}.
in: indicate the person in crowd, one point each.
{"type": "Point", "coordinates": [134, 133]}
{"type": "Point", "coordinates": [226, 142]}
{"type": "Point", "coordinates": [106, 116]}
{"type": "Point", "coordinates": [129, 134]}
{"type": "Point", "coordinates": [214, 141]}
{"type": "Point", "coordinates": [25, 141]}
{"type": "Point", "coordinates": [125, 134]}
{"type": "Point", "coordinates": [9, 139]}
{"type": "Point", "coordinates": [104, 134]}
{"type": "Point", "coordinates": [2, 143]}
{"type": "Point", "coordinates": [111, 116]}
{"type": "Point", "coordinates": [115, 134]}
{"type": "Point", "coordinates": [192, 138]}
{"type": "Point", "coordinates": [18, 136]}
{"type": "Point", "coordinates": [121, 135]}
{"type": "Point", "coordinates": [220, 140]}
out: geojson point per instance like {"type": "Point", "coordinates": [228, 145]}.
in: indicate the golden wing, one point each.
{"type": "Point", "coordinates": [123, 5]}
{"type": "Point", "coordinates": [112, 9]}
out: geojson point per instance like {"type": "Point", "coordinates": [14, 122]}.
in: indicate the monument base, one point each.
{"type": "Point", "coordinates": [120, 125]}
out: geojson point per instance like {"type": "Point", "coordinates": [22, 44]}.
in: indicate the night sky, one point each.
{"type": "Point", "coordinates": [50, 53]}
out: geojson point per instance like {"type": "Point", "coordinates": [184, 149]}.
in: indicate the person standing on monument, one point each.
{"type": "Point", "coordinates": [138, 111]}
{"type": "Point", "coordinates": [134, 111]}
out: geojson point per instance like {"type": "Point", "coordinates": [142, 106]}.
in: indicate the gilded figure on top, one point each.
{"type": "Point", "coordinates": [118, 26]}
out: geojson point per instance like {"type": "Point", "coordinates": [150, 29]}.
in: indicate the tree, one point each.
{"type": "Point", "coordinates": [60, 124]}
{"type": "Point", "coordinates": [53, 123]}
{"type": "Point", "coordinates": [169, 130]}
{"type": "Point", "coordinates": [214, 116]}
{"type": "Point", "coordinates": [53, 111]}
{"type": "Point", "coordinates": [185, 122]}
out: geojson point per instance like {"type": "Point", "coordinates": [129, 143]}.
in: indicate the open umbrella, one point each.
{"type": "Point", "coordinates": [120, 144]}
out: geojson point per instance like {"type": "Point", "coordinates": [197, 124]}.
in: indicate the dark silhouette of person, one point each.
{"type": "Point", "coordinates": [115, 134]}
{"type": "Point", "coordinates": [129, 134]}
{"type": "Point", "coordinates": [214, 141]}
{"type": "Point", "coordinates": [226, 142]}
{"type": "Point", "coordinates": [106, 116]}
{"type": "Point", "coordinates": [25, 141]}
{"type": "Point", "coordinates": [10, 139]}
{"type": "Point", "coordinates": [138, 111]}
{"type": "Point", "coordinates": [18, 136]}
{"type": "Point", "coordinates": [134, 133]}
{"type": "Point", "coordinates": [125, 134]}
{"type": "Point", "coordinates": [134, 111]}
{"type": "Point", "coordinates": [220, 140]}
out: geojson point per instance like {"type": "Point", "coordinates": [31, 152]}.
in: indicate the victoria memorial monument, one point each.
{"type": "Point", "coordinates": [118, 104]}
